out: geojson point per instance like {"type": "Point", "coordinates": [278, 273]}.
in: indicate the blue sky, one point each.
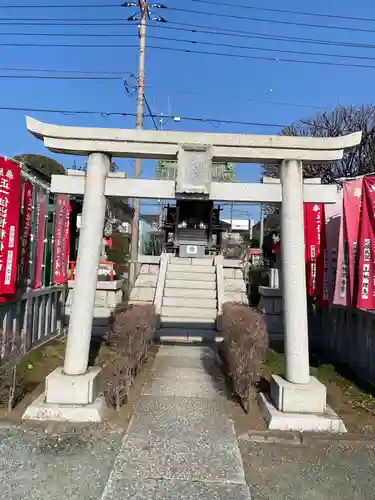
{"type": "Point", "coordinates": [180, 83]}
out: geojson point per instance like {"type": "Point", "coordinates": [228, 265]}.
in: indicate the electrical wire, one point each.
{"type": "Point", "coordinates": [194, 28]}
{"type": "Point", "coordinates": [264, 49]}
{"type": "Point", "coordinates": [260, 58]}
{"type": "Point", "coordinates": [54, 70]}
{"type": "Point", "coordinates": [210, 2]}
{"type": "Point", "coordinates": [194, 42]}
{"type": "Point", "coordinates": [285, 11]}
{"type": "Point", "coordinates": [273, 21]}
{"type": "Point", "coordinates": [118, 113]}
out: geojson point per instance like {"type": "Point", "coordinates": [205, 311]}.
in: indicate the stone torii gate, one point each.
{"type": "Point", "coordinates": [71, 391]}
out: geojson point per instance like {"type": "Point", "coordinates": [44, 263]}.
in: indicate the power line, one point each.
{"type": "Point", "coordinates": [242, 56]}
{"type": "Point", "coordinates": [247, 47]}
{"type": "Point", "coordinates": [274, 21]}
{"type": "Point", "coordinates": [285, 11]}
{"type": "Point", "coordinates": [260, 58]}
{"type": "Point", "coordinates": [206, 30]}
{"type": "Point", "coordinates": [118, 113]}
{"type": "Point", "coordinates": [54, 70]}
{"type": "Point", "coordinates": [262, 36]}
{"type": "Point", "coordinates": [211, 2]}
{"type": "Point", "coordinates": [54, 77]}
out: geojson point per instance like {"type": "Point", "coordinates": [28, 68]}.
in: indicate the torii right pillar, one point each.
{"type": "Point", "coordinates": [297, 402]}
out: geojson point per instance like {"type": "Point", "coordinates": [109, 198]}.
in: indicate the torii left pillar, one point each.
{"type": "Point", "coordinates": [71, 391]}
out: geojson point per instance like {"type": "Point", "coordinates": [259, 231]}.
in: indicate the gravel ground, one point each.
{"type": "Point", "coordinates": [60, 463]}
{"type": "Point", "coordinates": [314, 472]}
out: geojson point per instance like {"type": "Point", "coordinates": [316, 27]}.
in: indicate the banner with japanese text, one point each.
{"type": "Point", "coordinates": [315, 251]}
{"type": "Point", "coordinates": [10, 202]}
{"type": "Point", "coordinates": [40, 213]}
{"type": "Point", "coordinates": [333, 213]}
{"type": "Point", "coordinates": [341, 294]}
{"type": "Point", "coordinates": [366, 247]}
{"type": "Point", "coordinates": [61, 240]}
{"type": "Point", "coordinates": [27, 203]}
{"type": "Point", "coordinates": [352, 214]}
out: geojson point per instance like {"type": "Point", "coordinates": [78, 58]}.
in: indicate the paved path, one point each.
{"type": "Point", "coordinates": [180, 444]}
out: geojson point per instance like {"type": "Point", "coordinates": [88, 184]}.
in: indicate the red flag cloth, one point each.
{"type": "Point", "coordinates": [352, 214]}
{"type": "Point", "coordinates": [39, 236]}
{"type": "Point", "coordinates": [61, 240]}
{"type": "Point", "coordinates": [366, 247]}
{"type": "Point", "coordinates": [10, 191]}
{"type": "Point", "coordinates": [27, 200]}
{"type": "Point", "coordinates": [314, 255]}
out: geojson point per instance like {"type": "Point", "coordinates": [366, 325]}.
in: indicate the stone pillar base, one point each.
{"type": "Point", "coordinates": [299, 407]}
{"type": "Point", "coordinates": [68, 398]}
{"type": "Point", "coordinates": [295, 398]}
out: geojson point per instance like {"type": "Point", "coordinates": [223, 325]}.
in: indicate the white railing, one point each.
{"type": "Point", "coordinates": [32, 319]}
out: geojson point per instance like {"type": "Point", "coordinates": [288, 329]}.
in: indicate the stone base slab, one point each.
{"type": "Point", "coordinates": [298, 398]}
{"type": "Point", "coordinates": [328, 421]}
{"type": "Point", "coordinates": [42, 411]}
{"type": "Point", "coordinates": [71, 390]}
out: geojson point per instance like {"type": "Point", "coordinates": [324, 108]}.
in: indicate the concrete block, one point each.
{"type": "Point", "coordinates": [113, 298]}
{"type": "Point", "coordinates": [64, 389]}
{"type": "Point", "coordinates": [188, 312]}
{"type": "Point", "coordinates": [236, 297]}
{"type": "Point", "coordinates": [298, 398]}
{"type": "Point", "coordinates": [190, 284]}
{"type": "Point", "coordinates": [190, 302]}
{"type": "Point", "coordinates": [42, 411]}
{"type": "Point", "coordinates": [234, 285]}
{"type": "Point", "coordinates": [328, 421]}
{"type": "Point", "coordinates": [190, 276]}
{"type": "Point", "coordinates": [190, 293]}
{"type": "Point", "coordinates": [100, 298]}
{"type": "Point", "coordinates": [142, 294]}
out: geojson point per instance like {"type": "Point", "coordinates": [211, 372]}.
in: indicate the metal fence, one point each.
{"type": "Point", "coordinates": [347, 336]}
{"type": "Point", "coordinates": [34, 318]}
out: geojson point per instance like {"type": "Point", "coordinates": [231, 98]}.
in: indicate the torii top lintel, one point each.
{"type": "Point", "coordinates": [131, 143]}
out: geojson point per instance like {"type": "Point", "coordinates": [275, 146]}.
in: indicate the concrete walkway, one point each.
{"type": "Point", "coordinates": [180, 444]}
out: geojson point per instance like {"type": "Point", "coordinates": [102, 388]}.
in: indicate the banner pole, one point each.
{"type": "Point", "coordinates": [32, 237]}
{"type": "Point", "coordinates": [52, 241]}
{"type": "Point", "coordinates": [21, 243]}
{"type": "Point", "coordinates": [45, 243]}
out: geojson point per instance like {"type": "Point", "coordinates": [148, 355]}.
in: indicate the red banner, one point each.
{"type": "Point", "coordinates": [39, 236]}
{"type": "Point", "coordinates": [27, 202]}
{"type": "Point", "coordinates": [352, 214]}
{"type": "Point", "coordinates": [314, 256]}
{"type": "Point", "coordinates": [61, 240]}
{"type": "Point", "coordinates": [10, 191]}
{"type": "Point", "coordinates": [322, 265]}
{"type": "Point", "coordinates": [366, 275]}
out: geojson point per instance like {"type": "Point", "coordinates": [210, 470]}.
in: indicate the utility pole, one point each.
{"type": "Point", "coordinates": [142, 16]}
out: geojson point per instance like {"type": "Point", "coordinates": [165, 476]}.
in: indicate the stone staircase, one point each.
{"type": "Point", "coordinates": [189, 303]}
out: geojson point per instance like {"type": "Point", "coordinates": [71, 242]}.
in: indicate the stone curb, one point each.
{"type": "Point", "coordinates": [306, 438]}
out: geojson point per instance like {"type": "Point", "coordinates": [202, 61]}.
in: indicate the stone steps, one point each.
{"type": "Point", "coordinates": [183, 268]}
{"type": "Point", "coordinates": [190, 284]}
{"type": "Point", "coordinates": [190, 302]}
{"type": "Point", "coordinates": [188, 312]}
{"type": "Point", "coordinates": [189, 322]}
{"type": "Point", "coordinates": [190, 276]}
{"type": "Point", "coordinates": [187, 334]}
{"type": "Point", "coordinates": [190, 293]}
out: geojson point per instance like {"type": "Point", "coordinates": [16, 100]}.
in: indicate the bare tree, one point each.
{"type": "Point", "coordinates": [340, 121]}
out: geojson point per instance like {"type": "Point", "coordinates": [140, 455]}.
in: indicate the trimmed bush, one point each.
{"type": "Point", "coordinates": [130, 337]}
{"type": "Point", "coordinates": [244, 347]}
